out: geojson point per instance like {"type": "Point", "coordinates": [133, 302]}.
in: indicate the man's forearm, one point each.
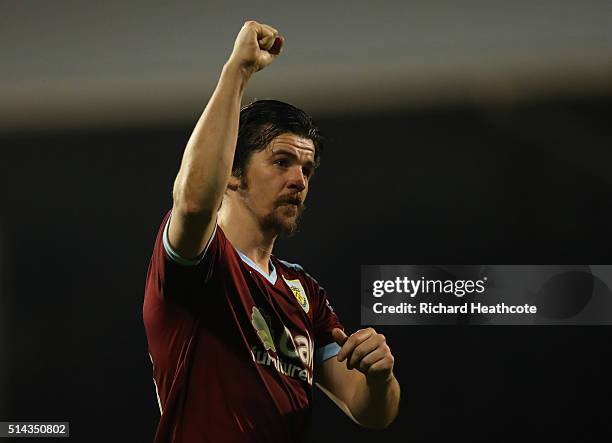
{"type": "Point", "coordinates": [207, 160]}
{"type": "Point", "coordinates": [367, 385]}
{"type": "Point", "coordinates": [375, 404]}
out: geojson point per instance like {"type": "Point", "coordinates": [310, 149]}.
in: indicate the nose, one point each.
{"type": "Point", "coordinates": [297, 180]}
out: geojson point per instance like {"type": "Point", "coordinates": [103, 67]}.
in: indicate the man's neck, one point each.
{"type": "Point", "coordinates": [245, 234]}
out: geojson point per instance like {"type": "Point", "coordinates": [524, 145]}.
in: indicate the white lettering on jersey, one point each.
{"type": "Point", "coordinates": [298, 347]}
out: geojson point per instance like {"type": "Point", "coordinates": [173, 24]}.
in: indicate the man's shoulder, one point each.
{"type": "Point", "coordinates": [297, 269]}
{"type": "Point", "coordinates": [293, 266]}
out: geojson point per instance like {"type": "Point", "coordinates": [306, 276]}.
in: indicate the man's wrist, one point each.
{"type": "Point", "coordinates": [237, 71]}
{"type": "Point", "coordinates": [380, 382]}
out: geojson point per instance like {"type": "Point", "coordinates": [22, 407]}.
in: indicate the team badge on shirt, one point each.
{"type": "Point", "coordinates": [299, 293]}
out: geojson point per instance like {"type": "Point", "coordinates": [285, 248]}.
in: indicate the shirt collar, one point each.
{"type": "Point", "coordinates": [271, 277]}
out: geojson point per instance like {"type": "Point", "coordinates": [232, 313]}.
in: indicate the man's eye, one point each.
{"type": "Point", "coordinates": [282, 162]}
{"type": "Point", "coordinates": [307, 172]}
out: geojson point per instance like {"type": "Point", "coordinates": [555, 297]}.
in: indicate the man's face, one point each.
{"type": "Point", "coordinates": [275, 183]}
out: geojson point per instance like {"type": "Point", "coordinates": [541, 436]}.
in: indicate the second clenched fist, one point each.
{"type": "Point", "coordinates": [256, 46]}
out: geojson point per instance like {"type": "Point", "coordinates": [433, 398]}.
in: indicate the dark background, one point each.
{"type": "Point", "coordinates": [518, 183]}
{"type": "Point", "coordinates": [472, 132]}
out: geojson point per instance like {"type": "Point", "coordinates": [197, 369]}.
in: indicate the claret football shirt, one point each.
{"type": "Point", "coordinates": [233, 349]}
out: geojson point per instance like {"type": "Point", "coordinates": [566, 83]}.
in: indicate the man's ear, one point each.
{"type": "Point", "coordinates": [233, 183]}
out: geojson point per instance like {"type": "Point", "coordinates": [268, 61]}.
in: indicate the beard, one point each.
{"type": "Point", "coordinates": [285, 215]}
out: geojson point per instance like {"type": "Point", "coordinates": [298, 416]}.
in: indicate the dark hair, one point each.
{"type": "Point", "coordinates": [262, 121]}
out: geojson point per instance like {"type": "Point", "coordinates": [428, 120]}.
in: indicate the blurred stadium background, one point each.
{"type": "Point", "coordinates": [458, 132]}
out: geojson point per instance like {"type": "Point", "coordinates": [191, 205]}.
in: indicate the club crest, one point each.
{"type": "Point", "coordinates": [299, 293]}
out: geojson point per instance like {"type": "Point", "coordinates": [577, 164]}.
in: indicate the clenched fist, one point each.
{"type": "Point", "coordinates": [256, 46]}
{"type": "Point", "coordinates": [366, 351]}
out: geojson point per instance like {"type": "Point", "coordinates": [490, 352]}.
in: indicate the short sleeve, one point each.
{"type": "Point", "coordinates": [176, 277]}
{"type": "Point", "coordinates": [170, 252]}
{"type": "Point", "coordinates": [324, 320]}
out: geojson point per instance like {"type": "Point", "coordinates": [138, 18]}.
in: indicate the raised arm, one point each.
{"type": "Point", "coordinates": [207, 161]}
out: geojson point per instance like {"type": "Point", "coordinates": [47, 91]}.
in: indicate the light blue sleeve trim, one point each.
{"type": "Point", "coordinates": [326, 352]}
{"type": "Point", "coordinates": [176, 257]}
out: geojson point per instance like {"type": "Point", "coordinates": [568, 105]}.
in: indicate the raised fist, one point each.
{"type": "Point", "coordinates": [256, 46]}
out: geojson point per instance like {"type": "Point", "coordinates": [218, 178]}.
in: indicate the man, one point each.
{"type": "Point", "coordinates": [236, 336]}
